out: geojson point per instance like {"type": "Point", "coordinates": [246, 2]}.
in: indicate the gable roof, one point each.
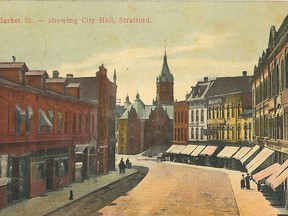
{"type": "Point", "coordinates": [228, 85]}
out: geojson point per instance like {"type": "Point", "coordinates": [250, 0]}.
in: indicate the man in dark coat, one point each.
{"type": "Point", "coordinates": [247, 181]}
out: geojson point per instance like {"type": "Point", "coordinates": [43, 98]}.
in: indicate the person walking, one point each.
{"type": "Point", "coordinates": [247, 181]}
{"type": "Point", "coordinates": [242, 182]}
{"type": "Point", "coordinates": [127, 163]}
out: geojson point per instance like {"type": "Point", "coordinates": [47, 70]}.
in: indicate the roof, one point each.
{"type": "Point", "coordinates": [144, 111]}
{"type": "Point", "coordinates": [73, 85]}
{"type": "Point", "coordinates": [228, 85]}
{"type": "Point", "coordinates": [56, 80]}
{"type": "Point", "coordinates": [165, 75]}
{"type": "Point", "coordinates": [37, 73]}
{"type": "Point", "coordinates": [89, 89]}
{"type": "Point", "coordinates": [199, 91]}
{"type": "Point", "coordinates": [7, 84]}
{"type": "Point", "coordinates": [4, 65]}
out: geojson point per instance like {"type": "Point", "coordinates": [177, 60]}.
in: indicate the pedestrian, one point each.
{"type": "Point", "coordinates": [247, 181]}
{"type": "Point", "coordinates": [128, 163]}
{"type": "Point", "coordinates": [120, 167]}
{"type": "Point", "coordinates": [242, 182]}
{"type": "Point", "coordinates": [71, 195]}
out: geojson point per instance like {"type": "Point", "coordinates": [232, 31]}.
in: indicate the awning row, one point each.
{"type": "Point", "coordinates": [274, 175]}
{"type": "Point", "coordinates": [202, 150]}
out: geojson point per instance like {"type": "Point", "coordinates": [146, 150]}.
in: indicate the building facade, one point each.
{"type": "Point", "coordinates": [181, 110]}
{"type": "Point", "coordinates": [40, 131]}
{"type": "Point", "coordinates": [230, 110]}
{"type": "Point", "coordinates": [198, 111]}
{"type": "Point", "coordinates": [270, 93]}
{"type": "Point", "coordinates": [102, 90]}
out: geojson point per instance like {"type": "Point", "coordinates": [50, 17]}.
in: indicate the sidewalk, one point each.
{"type": "Point", "coordinates": [52, 200]}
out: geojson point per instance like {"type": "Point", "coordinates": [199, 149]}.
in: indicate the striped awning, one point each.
{"type": "Point", "coordinates": [259, 159]}
{"type": "Point", "coordinates": [189, 149]}
{"type": "Point", "coordinates": [281, 178]}
{"type": "Point", "coordinates": [228, 152]}
{"type": "Point", "coordinates": [177, 149]}
{"type": "Point", "coordinates": [278, 172]}
{"type": "Point", "coordinates": [249, 154]}
{"type": "Point", "coordinates": [198, 150]}
{"type": "Point", "coordinates": [265, 173]}
{"type": "Point", "coordinates": [209, 150]}
{"type": "Point", "coordinates": [170, 148]}
{"type": "Point", "coordinates": [242, 152]}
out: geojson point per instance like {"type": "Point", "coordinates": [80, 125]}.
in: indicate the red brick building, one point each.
{"type": "Point", "coordinates": [99, 88]}
{"type": "Point", "coordinates": [165, 84]}
{"type": "Point", "coordinates": [158, 128]}
{"type": "Point", "coordinates": [42, 123]}
{"type": "Point", "coordinates": [181, 112]}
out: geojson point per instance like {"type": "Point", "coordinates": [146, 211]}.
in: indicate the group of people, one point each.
{"type": "Point", "coordinates": [245, 181]}
{"type": "Point", "coordinates": [122, 165]}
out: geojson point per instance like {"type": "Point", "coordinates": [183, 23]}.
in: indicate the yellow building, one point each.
{"type": "Point", "coordinates": [229, 103]}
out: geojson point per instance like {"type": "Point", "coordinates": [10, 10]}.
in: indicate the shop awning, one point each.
{"type": "Point", "coordinates": [228, 152]}
{"type": "Point", "coordinates": [266, 172]}
{"type": "Point", "coordinates": [249, 154]}
{"type": "Point", "coordinates": [259, 159]}
{"type": "Point", "coordinates": [170, 148]}
{"type": "Point", "coordinates": [209, 150]}
{"type": "Point", "coordinates": [197, 151]}
{"type": "Point", "coordinates": [43, 120]}
{"type": "Point", "coordinates": [80, 148]}
{"type": "Point", "coordinates": [277, 173]}
{"type": "Point", "coordinates": [178, 149]}
{"type": "Point", "coordinates": [242, 152]}
{"type": "Point", "coordinates": [281, 178]}
{"type": "Point", "coordinates": [189, 149]}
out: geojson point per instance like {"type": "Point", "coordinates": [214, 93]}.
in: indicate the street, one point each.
{"type": "Point", "coordinates": [177, 190]}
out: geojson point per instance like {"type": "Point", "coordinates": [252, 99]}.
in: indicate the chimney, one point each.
{"type": "Point", "coordinates": [69, 75]}
{"type": "Point", "coordinates": [205, 79]}
{"type": "Point", "coordinates": [14, 58]}
{"type": "Point", "coordinates": [244, 73]}
{"type": "Point", "coordinates": [55, 74]}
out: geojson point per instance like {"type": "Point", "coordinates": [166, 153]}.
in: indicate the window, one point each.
{"type": "Point", "coordinates": [192, 115]}
{"type": "Point", "coordinates": [66, 123]}
{"type": "Point", "coordinates": [192, 133]}
{"type": "Point", "coordinates": [87, 124]}
{"type": "Point", "coordinates": [61, 166]}
{"type": "Point", "coordinates": [28, 116]}
{"type": "Point", "coordinates": [51, 119]}
{"type": "Point", "coordinates": [38, 170]}
{"type": "Point", "coordinates": [80, 123]}
{"type": "Point", "coordinates": [19, 117]}
{"type": "Point", "coordinates": [175, 117]}
{"type": "Point", "coordinates": [201, 133]}
{"type": "Point", "coordinates": [93, 124]}
{"type": "Point", "coordinates": [197, 115]}
{"type": "Point", "coordinates": [74, 123]}
{"type": "Point", "coordinates": [43, 121]}
{"type": "Point", "coordinates": [182, 116]}
{"type": "Point", "coordinates": [228, 111]}
{"type": "Point", "coordinates": [59, 122]}
{"type": "Point", "coordinates": [202, 115]}
{"type": "Point", "coordinates": [233, 110]}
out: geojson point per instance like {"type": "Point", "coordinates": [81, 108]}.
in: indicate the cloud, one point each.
{"type": "Point", "coordinates": [202, 41]}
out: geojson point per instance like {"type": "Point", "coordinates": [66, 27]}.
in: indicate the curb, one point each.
{"type": "Point", "coordinates": [87, 194]}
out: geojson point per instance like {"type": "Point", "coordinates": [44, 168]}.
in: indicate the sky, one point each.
{"type": "Point", "coordinates": [209, 38]}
